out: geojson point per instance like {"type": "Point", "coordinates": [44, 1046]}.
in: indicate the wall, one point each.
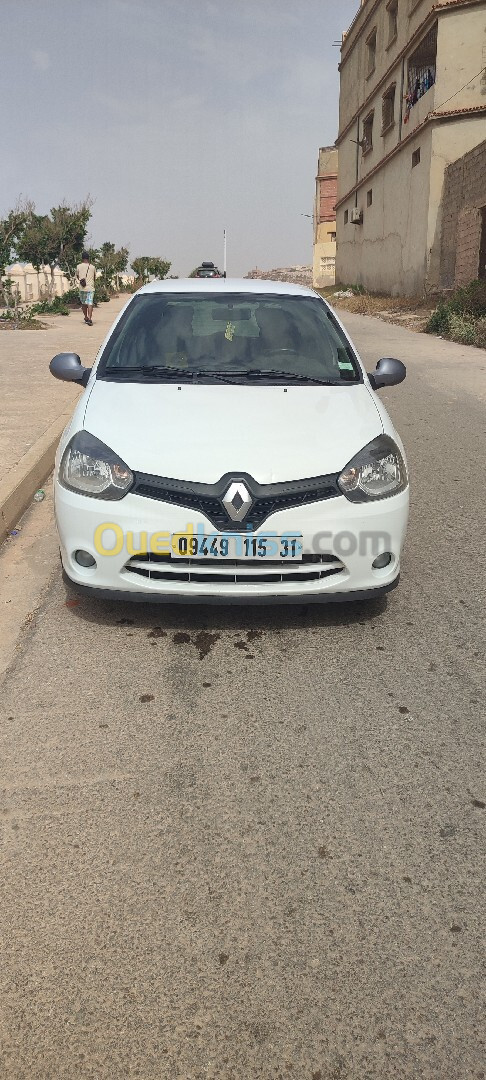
{"type": "Point", "coordinates": [450, 141]}
{"type": "Point", "coordinates": [324, 249]}
{"type": "Point", "coordinates": [356, 84]}
{"type": "Point", "coordinates": [33, 285]}
{"type": "Point", "coordinates": [461, 50]}
{"type": "Point", "coordinates": [463, 197]}
{"type": "Point", "coordinates": [324, 253]}
{"type": "Point", "coordinates": [387, 253]}
{"type": "Point", "coordinates": [397, 248]}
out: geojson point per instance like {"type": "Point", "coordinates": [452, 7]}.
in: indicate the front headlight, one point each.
{"type": "Point", "coordinates": [377, 472]}
{"type": "Point", "coordinates": [91, 468]}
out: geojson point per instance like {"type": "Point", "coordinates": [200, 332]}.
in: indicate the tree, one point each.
{"type": "Point", "coordinates": [55, 240]}
{"type": "Point", "coordinates": [11, 230]}
{"type": "Point", "coordinates": [112, 264]}
{"type": "Point", "coordinates": [148, 266]}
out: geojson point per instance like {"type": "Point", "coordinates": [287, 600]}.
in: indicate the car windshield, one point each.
{"type": "Point", "coordinates": [242, 336]}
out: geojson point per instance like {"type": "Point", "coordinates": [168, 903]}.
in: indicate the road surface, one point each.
{"type": "Point", "coordinates": [247, 844]}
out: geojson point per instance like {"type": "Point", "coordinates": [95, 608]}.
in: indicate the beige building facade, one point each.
{"type": "Point", "coordinates": [33, 285]}
{"type": "Point", "coordinates": [30, 285]}
{"type": "Point", "coordinates": [412, 101]}
{"type": "Point", "coordinates": [324, 249]}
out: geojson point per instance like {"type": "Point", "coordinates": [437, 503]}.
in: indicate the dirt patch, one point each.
{"type": "Point", "coordinates": [24, 324]}
{"type": "Point", "coordinates": [412, 312]}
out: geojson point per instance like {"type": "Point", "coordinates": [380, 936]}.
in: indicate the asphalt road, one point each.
{"type": "Point", "coordinates": [247, 843]}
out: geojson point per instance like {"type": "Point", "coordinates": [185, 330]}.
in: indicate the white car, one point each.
{"type": "Point", "coordinates": [229, 446]}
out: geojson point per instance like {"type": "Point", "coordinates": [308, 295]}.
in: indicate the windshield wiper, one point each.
{"type": "Point", "coordinates": [138, 369]}
{"type": "Point", "coordinates": [153, 370]}
{"type": "Point", "coordinates": [291, 376]}
{"type": "Point", "coordinates": [166, 369]}
{"type": "Point", "coordinates": [225, 376]}
{"type": "Point", "coordinates": [190, 374]}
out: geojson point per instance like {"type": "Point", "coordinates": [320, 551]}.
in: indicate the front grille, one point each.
{"type": "Point", "coordinates": [206, 499]}
{"type": "Point", "coordinates": [233, 571]}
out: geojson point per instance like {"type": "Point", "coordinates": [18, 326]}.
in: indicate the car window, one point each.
{"type": "Point", "coordinates": [231, 333]}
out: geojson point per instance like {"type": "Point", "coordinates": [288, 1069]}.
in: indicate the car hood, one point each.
{"type": "Point", "coordinates": [200, 432]}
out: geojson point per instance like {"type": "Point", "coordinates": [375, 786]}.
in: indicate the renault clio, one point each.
{"type": "Point", "coordinates": [229, 446]}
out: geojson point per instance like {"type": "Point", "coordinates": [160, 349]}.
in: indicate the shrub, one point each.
{"type": "Point", "coordinates": [481, 334]}
{"type": "Point", "coordinates": [462, 317]}
{"type": "Point", "coordinates": [57, 306]}
{"type": "Point", "coordinates": [462, 328]}
{"type": "Point", "coordinates": [102, 294]}
{"type": "Point", "coordinates": [21, 319]}
{"type": "Point", "coordinates": [439, 320]}
{"type": "Point", "coordinates": [71, 297]}
{"type": "Point", "coordinates": [471, 300]}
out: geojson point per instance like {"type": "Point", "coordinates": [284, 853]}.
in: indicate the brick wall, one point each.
{"type": "Point", "coordinates": [463, 197]}
{"type": "Point", "coordinates": [327, 198]}
{"type": "Point", "coordinates": [468, 241]}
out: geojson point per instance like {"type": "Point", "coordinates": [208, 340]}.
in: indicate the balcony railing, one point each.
{"type": "Point", "coordinates": [421, 71]}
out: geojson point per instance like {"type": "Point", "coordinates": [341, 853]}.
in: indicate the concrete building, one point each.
{"type": "Point", "coordinates": [412, 101]}
{"type": "Point", "coordinates": [34, 285]}
{"type": "Point", "coordinates": [31, 285]}
{"type": "Point", "coordinates": [324, 258]}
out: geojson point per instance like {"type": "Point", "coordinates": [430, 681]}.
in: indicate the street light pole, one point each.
{"type": "Point", "coordinates": [224, 252]}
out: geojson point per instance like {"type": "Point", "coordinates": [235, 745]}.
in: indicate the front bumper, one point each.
{"type": "Point", "coordinates": [223, 598]}
{"type": "Point", "coordinates": [340, 542]}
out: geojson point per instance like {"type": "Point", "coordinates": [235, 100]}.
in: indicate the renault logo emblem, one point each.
{"type": "Point", "coordinates": [237, 501]}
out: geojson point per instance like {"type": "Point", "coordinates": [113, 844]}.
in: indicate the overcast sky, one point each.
{"type": "Point", "coordinates": [178, 117]}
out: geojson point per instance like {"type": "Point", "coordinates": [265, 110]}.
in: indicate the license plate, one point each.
{"type": "Point", "coordinates": [244, 546]}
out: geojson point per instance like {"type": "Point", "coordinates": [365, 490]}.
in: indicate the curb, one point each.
{"type": "Point", "coordinates": [30, 472]}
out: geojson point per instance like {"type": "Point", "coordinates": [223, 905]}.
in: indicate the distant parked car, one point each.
{"type": "Point", "coordinates": [208, 269]}
{"type": "Point", "coordinates": [237, 417]}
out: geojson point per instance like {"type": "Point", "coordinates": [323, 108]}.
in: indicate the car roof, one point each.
{"type": "Point", "coordinates": [254, 286]}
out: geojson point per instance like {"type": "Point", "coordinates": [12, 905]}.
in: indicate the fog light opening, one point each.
{"type": "Point", "coordinates": [382, 560]}
{"type": "Point", "coordinates": [83, 558]}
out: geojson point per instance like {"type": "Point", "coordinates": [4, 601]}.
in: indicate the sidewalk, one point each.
{"type": "Point", "coordinates": [34, 407]}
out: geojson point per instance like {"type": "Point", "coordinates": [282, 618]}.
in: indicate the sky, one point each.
{"type": "Point", "coordinates": [180, 118]}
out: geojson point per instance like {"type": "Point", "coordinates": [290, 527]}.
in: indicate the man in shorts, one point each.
{"type": "Point", "coordinates": [85, 276]}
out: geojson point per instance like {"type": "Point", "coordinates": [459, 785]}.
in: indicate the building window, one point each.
{"type": "Point", "coordinates": [346, 217]}
{"type": "Point", "coordinates": [388, 109]}
{"type": "Point", "coordinates": [332, 235]}
{"type": "Point", "coordinates": [392, 9]}
{"type": "Point", "coordinates": [369, 197]}
{"type": "Point", "coordinates": [421, 70]}
{"type": "Point", "coordinates": [371, 52]}
{"type": "Point", "coordinates": [416, 157]}
{"type": "Point", "coordinates": [367, 140]}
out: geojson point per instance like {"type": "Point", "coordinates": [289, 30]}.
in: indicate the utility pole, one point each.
{"type": "Point", "coordinates": [224, 252]}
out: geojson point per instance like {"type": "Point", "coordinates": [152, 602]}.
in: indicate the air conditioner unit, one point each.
{"type": "Point", "coordinates": [356, 216]}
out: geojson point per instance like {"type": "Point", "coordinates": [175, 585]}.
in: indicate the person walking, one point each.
{"type": "Point", "coordinates": [85, 276]}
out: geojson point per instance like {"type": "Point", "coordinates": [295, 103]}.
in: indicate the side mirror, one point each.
{"type": "Point", "coordinates": [68, 367]}
{"type": "Point", "coordinates": [388, 372]}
